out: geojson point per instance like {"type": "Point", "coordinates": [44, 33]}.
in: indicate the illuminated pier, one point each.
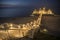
{"type": "Point", "coordinates": [21, 30]}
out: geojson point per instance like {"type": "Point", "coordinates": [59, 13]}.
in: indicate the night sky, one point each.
{"type": "Point", "coordinates": [18, 8]}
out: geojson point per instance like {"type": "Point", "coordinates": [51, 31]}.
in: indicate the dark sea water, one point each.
{"type": "Point", "coordinates": [15, 11]}
{"type": "Point", "coordinates": [21, 11]}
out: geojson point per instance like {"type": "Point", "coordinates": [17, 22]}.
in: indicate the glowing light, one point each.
{"type": "Point", "coordinates": [50, 12]}
{"type": "Point", "coordinates": [1, 26]}
{"type": "Point", "coordinates": [45, 30]}
{"type": "Point", "coordinates": [35, 11]}
{"type": "Point", "coordinates": [42, 11]}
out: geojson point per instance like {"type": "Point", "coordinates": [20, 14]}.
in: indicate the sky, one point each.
{"type": "Point", "coordinates": [15, 8]}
